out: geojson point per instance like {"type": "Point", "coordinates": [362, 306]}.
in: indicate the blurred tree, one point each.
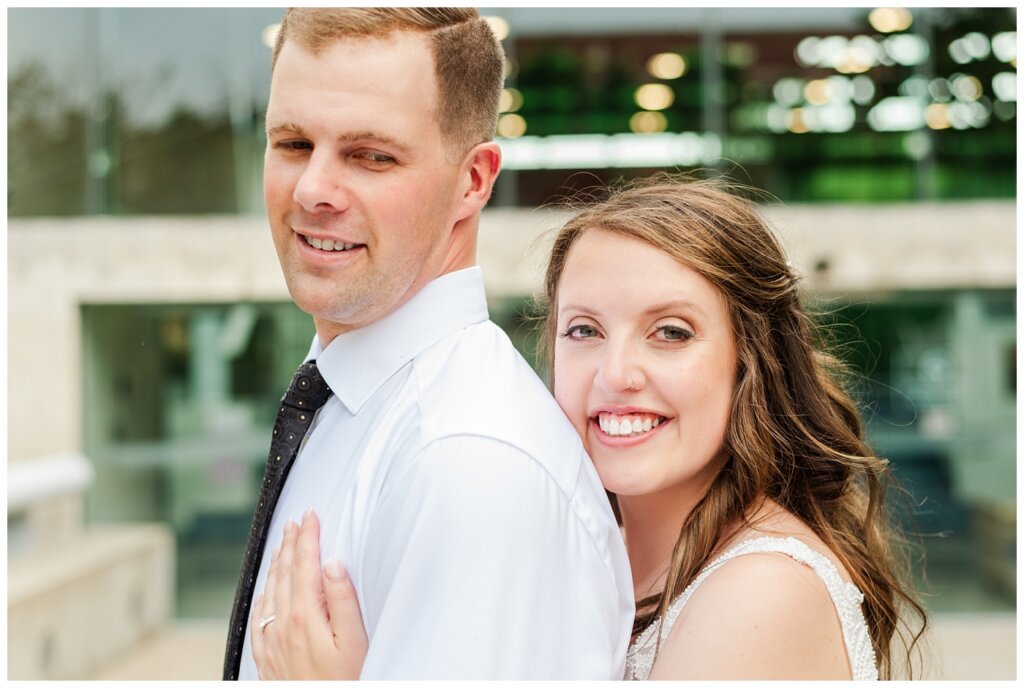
{"type": "Point", "coordinates": [47, 154]}
{"type": "Point", "coordinates": [62, 161]}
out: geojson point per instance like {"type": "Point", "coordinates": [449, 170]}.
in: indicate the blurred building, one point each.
{"type": "Point", "coordinates": [144, 290]}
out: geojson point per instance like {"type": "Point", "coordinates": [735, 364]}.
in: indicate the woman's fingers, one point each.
{"type": "Point", "coordinates": [318, 631]}
{"type": "Point", "coordinates": [283, 574]}
{"type": "Point", "coordinates": [307, 588]}
{"type": "Point", "coordinates": [345, 617]}
{"type": "Point", "coordinates": [271, 584]}
{"type": "Point", "coordinates": [256, 633]}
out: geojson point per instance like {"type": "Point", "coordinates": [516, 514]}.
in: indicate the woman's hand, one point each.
{"type": "Point", "coordinates": [317, 631]}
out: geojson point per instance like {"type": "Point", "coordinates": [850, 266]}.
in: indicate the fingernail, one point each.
{"type": "Point", "coordinates": [305, 516]}
{"type": "Point", "coordinates": [290, 526]}
{"type": "Point", "coordinates": [334, 569]}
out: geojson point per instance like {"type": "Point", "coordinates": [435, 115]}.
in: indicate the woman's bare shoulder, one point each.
{"type": "Point", "coordinates": [771, 520]}
{"type": "Point", "coordinates": [758, 616]}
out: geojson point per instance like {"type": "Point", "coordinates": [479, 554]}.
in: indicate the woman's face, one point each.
{"type": "Point", "coordinates": [645, 364]}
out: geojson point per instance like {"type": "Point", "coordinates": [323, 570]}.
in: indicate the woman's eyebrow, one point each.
{"type": "Point", "coordinates": [585, 310]}
{"type": "Point", "coordinates": [674, 304]}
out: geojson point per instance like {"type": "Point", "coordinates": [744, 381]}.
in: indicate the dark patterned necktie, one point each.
{"type": "Point", "coordinates": [306, 393]}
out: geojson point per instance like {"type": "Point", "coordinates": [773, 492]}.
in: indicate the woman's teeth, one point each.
{"type": "Point", "coordinates": [627, 426]}
{"type": "Point", "coordinates": [329, 244]}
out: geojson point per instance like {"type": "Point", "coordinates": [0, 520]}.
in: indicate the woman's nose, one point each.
{"type": "Point", "coordinates": [620, 370]}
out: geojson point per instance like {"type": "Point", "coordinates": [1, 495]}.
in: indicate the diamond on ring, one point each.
{"type": "Point", "coordinates": [264, 620]}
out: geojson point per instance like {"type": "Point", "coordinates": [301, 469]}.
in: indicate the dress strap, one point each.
{"type": "Point", "coordinates": [846, 597]}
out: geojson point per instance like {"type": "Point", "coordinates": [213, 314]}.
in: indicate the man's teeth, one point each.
{"type": "Point", "coordinates": [621, 426]}
{"type": "Point", "coordinates": [328, 244]}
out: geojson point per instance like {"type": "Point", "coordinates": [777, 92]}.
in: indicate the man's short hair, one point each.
{"type": "Point", "coordinates": [468, 60]}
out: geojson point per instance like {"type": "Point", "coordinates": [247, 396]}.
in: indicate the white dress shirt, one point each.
{"type": "Point", "coordinates": [459, 497]}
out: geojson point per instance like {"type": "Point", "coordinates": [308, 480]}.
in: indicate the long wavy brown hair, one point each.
{"type": "Point", "coordinates": [794, 436]}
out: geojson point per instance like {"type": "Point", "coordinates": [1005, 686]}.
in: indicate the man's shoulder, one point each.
{"type": "Point", "coordinates": [476, 383]}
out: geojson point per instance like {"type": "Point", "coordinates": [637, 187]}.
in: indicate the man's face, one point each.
{"type": "Point", "coordinates": [360, 195]}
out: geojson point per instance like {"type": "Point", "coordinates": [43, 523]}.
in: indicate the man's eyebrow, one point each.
{"type": "Point", "coordinates": [286, 128]}
{"type": "Point", "coordinates": [377, 136]}
{"type": "Point", "coordinates": [350, 137]}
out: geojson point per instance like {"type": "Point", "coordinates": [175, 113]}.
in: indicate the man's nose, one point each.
{"type": "Point", "coordinates": [322, 185]}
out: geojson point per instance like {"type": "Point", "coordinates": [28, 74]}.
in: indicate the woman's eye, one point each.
{"type": "Point", "coordinates": [674, 333]}
{"type": "Point", "coordinates": [580, 332]}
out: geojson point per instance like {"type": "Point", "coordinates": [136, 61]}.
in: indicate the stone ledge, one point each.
{"type": "Point", "coordinates": [38, 573]}
{"type": "Point", "coordinates": [72, 608]}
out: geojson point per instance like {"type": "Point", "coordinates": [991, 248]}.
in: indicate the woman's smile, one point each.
{"type": "Point", "coordinates": [626, 427]}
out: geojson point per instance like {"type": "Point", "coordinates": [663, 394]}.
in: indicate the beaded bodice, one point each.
{"type": "Point", "coordinates": [845, 595]}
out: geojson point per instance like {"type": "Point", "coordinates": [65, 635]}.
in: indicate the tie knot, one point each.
{"type": "Point", "coordinates": [308, 389]}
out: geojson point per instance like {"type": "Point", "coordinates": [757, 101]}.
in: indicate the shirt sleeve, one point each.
{"type": "Point", "coordinates": [477, 567]}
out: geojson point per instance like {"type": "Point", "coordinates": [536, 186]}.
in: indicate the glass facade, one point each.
{"type": "Point", "coordinates": [156, 111]}
{"type": "Point", "coordinates": [179, 402]}
{"type": "Point", "coordinates": [878, 109]}
{"type": "Point", "coordinates": [936, 385]}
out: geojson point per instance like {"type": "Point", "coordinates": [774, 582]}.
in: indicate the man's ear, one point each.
{"type": "Point", "coordinates": [479, 171]}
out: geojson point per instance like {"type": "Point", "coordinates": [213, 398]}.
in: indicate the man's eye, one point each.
{"type": "Point", "coordinates": [375, 157]}
{"type": "Point", "coordinates": [294, 145]}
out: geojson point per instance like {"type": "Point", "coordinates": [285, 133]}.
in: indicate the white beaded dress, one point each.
{"type": "Point", "coordinates": [845, 595]}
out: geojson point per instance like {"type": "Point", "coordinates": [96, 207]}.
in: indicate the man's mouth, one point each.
{"type": "Point", "coordinates": [330, 244]}
{"type": "Point", "coordinates": [629, 425]}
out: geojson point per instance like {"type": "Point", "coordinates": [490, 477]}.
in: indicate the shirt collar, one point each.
{"type": "Point", "coordinates": [357, 363]}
